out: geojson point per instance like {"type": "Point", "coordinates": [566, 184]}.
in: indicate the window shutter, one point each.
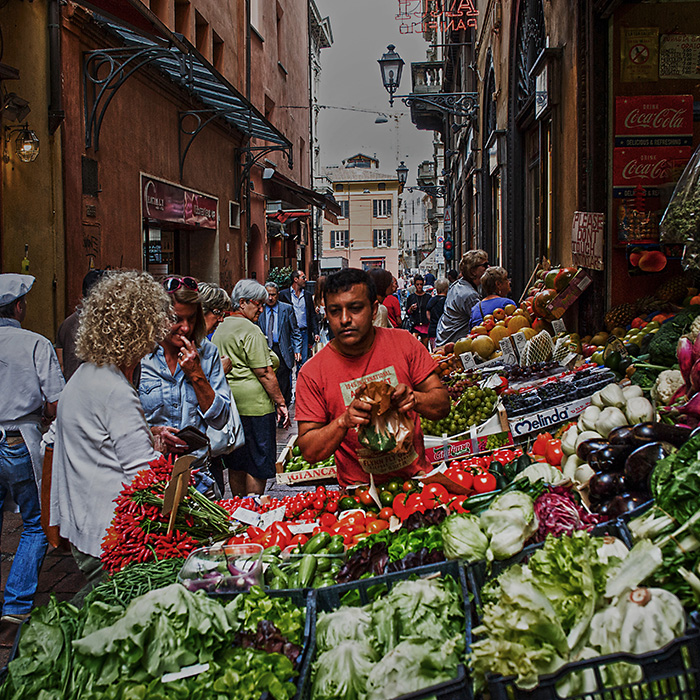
{"type": "Point", "coordinates": [388, 207]}
{"type": "Point", "coordinates": [347, 239]}
{"type": "Point", "coordinates": [388, 238]}
{"type": "Point", "coordinates": [375, 202]}
{"type": "Point", "coordinates": [332, 239]}
{"type": "Point", "coordinates": [374, 235]}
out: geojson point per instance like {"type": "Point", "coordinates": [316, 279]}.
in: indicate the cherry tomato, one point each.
{"type": "Point", "coordinates": [319, 504]}
{"type": "Point", "coordinates": [365, 497]}
{"type": "Point", "coordinates": [455, 464]}
{"type": "Point", "coordinates": [385, 513]}
{"type": "Point", "coordinates": [484, 483]}
{"type": "Point", "coordinates": [327, 520]}
{"type": "Point", "coordinates": [553, 453]}
{"type": "Point", "coordinates": [407, 486]}
{"type": "Point", "coordinates": [399, 506]}
{"type": "Point", "coordinates": [299, 539]}
{"type": "Point", "coordinates": [321, 491]}
{"type": "Point", "coordinates": [434, 495]}
{"type": "Point", "coordinates": [377, 526]}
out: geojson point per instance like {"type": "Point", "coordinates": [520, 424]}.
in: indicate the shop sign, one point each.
{"type": "Point", "coordinates": [421, 16]}
{"type": "Point", "coordinates": [679, 56]}
{"type": "Point", "coordinates": [536, 422]}
{"type": "Point", "coordinates": [639, 54]}
{"type": "Point", "coordinates": [648, 167]}
{"type": "Point", "coordinates": [587, 234]}
{"type": "Point", "coordinates": [163, 201]}
{"type": "Point", "coordinates": [654, 120]}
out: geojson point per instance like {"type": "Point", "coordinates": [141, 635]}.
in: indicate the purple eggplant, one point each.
{"type": "Point", "coordinates": [640, 464]}
{"type": "Point", "coordinates": [624, 503]}
{"type": "Point", "coordinates": [584, 450]}
{"type": "Point", "coordinates": [660, 432]}
{"type": "Point", "coordinates": [610, 458]}
{"type": "Point", "coordinates": [622, 435]}
{"type": "Point", "coordinates": [605, 485]}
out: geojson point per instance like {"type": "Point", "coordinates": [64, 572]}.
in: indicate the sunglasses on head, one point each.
{"type": "Point", "coordinates": [172, 284]}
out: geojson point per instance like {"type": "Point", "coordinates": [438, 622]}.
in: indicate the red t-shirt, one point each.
{"type": "Point", "coordinates": [393, 309]}
{"type": "Point", "coordinates": [326, 386]}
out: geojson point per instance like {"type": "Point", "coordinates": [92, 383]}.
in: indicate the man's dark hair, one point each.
{"type": "Point", "coordinates": [452, 275]}
{"type": "Point", "coordinates": [382, 280]}
{"type": "Point", "coordinates": [295, 275]}
{"type": "Point", "coordinates": [8, 310]}
{"type": "Point", "coordinates": [91, 279]}
{"type": "Point", "coordinates": [345, 279]}
{"type": "Point", "coordinates": [418, 278]}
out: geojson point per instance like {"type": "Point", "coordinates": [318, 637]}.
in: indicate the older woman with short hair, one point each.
{"type": "Point", "coordinates": [254, 387]}
{"type": "Point", "coordinates": [463, 294]}
{"type": "Point", "coordinates": [102, 438]}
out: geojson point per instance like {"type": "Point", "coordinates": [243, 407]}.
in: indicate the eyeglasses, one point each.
{"type": "Point", "coordinates": [172, 284]}
{"type": "Point", "coordinates": [259, 304]}
{"type": "Point", "coordinates": [485, 264]}
{"type": "Point", "coordinates": [214, 312]}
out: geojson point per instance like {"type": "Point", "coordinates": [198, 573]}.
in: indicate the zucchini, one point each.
{"type": "Point", "coordinates": [323, 564]}
{"type": "Point", "coordinates": [336, 545]}
{"type": "Point", "coordinates": [307, 569]}
{"type": "Point", "coordinates": [316, 543]}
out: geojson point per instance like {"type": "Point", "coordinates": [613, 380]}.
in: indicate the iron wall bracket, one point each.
{"type": "Point", "coordinates": [458, 104]}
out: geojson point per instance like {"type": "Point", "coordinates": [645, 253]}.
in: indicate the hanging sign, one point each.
{"type": "Point", "coordinates": [654, 120]}
{"type": "Point", "coordinates": [587, 233]}
{"type": "Point", "coordinates": [447, 219]}
{"type": "Point", "coordinates": [639, 54]}
{"type": "Point", "coordinates": [421, 16]}
{"type": "Point", "coordinates": [163, 201]}
{"type": "Point", "coordinates": [679, 56]}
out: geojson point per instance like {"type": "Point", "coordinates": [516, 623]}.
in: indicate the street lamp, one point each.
{"type": "Point", "coordinates": [26, 143]}
{"type": "Point", "coordinates": [391, 65]}
{"type": "Point", "coordinates": [402, 173]}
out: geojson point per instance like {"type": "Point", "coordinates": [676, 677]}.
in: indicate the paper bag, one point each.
{"type": "Point", "coordinates": [388, 430]}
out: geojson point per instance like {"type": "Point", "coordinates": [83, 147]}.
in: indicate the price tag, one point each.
{"type": "Point", "coordinates": [468, 361]}
{"type": "Point", "coordinates": [302, 528]}
{"type": "Point", "coordinates": [184, 672]}
{"type": "Point", "coordinates": [245, 516]}
{"type": "Point", "coordinates": [558, 326]}
{"type": "Point", "coordinates": [509, 356]}
{"type": "Point", "coordinates": [520, 341]}
{"type": "Point", "coordinates": [272, 516]}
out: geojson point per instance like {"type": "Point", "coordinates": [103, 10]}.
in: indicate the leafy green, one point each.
{"type": "Point", "coordinates": [343, 624]}
{"type": "Point", "coordinates": [510, 521]}
{"type": "Point", "coordinates": [662, 349]}
{"type": "Point", "coordinates": [463, 538]}
{"type": "Point", "coordinates": [342, 671]}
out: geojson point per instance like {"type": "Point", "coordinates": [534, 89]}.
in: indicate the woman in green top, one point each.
{"type": "Point", "coordinates": [254, 387]}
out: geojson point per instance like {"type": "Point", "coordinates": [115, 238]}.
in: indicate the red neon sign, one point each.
{"type": "Point", "coordinates": [445, 15]}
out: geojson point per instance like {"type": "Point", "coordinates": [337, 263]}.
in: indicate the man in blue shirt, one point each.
{"type": "Point", "coordinates": [279, 324]}
{"type": "Point", "coordinates": [303, 304]}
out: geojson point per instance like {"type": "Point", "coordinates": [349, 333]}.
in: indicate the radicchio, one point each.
{"type": "Point", "coordinates": [559, 514]}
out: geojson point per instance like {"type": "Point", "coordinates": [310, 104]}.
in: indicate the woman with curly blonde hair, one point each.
{"type": "Point", "coordinates": [102, 438]}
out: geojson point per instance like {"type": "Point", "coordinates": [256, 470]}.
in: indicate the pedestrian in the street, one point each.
{"type": "Point", "coordinates": [255, 389]}
{"type": "Point", "coordinates": [436, 306]}
{"type": "Point", "coordinates": [65, 337]}
{"type": "Point", "coordinates": [417, 310]}
{"type": "Point", "coordinates": [30, 385]}
{"type": "Point", "coordinates": [452, 276]}
{"type": "Point", "coordinates": [429, 279]}
{"type": "Point", "coordinates": [327, 411]}
{"type": "Point", "coordinates": [495, 284]}
{"type": "Point", "coordinates": [461, 297]}
{"type": "Point", "coordinates": [382, 282]}
{"type": "Point", "coordinates": [324, 334]}
{"type": "Point", "coordinates": [182, 382]}
{"type": "Point", "coordinates": [303, 304]}
{"type": "Point", "coordinates": [279, 324]}
{"type": "Point", "coordinates": [393, 305]}
{"type": "Point", "coordinates": [102, 438]}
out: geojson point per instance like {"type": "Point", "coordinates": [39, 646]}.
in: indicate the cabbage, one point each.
{"type": "Point", "coordinates": [343, 624]}
{"type": "Point", "coordinates": [342, 672]}
{"type": "Point", "coordinates": [510, 522]}
{"type": "Point", "coordinates": [462, 538]}
{"type": "Point", "coordinates": [544, 471]}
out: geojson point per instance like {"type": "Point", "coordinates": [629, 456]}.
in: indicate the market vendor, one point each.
{"type": "Point", "coordinates": [326, 408]}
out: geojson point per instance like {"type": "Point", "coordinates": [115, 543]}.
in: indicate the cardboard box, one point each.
{"type": "Point", "coordinates": [565, 299]}
{"type": "Point", "coordinates": [547, 418]}
{"type": "Point", "coordinates": [307, 476]}
{"type": "Point", "coordinates": [438, 449]}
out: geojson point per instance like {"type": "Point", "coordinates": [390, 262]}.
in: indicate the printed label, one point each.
{"type": "Point", "coordinates": [272, 516]}
{"type": "Point", "coordinates": [245, 516]}
{"type": "Point", "coordinates": [520, 341]}
{"type": "Point", "coordinates": [468, 361]}
{"type": "Point", "coordinates": [558, 326]}
{"type": "Point", "coordinates": [544, 419]}
{"type": "Point", "coordinates": [348, 389]}
{"type": "Point", "coordinates": [307, 475]}
{"type": "Point", "coordinates": [380, 463]}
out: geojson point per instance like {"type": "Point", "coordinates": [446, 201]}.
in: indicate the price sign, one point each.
{"type": "Point", "coordinates": [245, 516]}
{"type": "Point", "coordinates": [468, 361]}
{"type": "Point", "coordinates": [558, 326]}
{"type": "Point", "coordinates": [509, 356]}
{"type": "Point", "coordinates": [272, 516]}
{"type": "Point", "coordinates": [520, 341]}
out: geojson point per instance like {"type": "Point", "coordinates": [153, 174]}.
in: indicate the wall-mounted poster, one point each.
{"type": "Point", "coordinates": [639, 54]}
{"type": "Point", "coordinates": [679, 56]}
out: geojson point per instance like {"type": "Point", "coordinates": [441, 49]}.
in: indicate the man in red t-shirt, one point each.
{"type": "Point", "coordinates": [326, 408]}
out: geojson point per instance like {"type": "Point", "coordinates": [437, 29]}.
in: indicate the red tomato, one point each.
{"type": "Point", "coordinates": [299, 539]}
{"type": "Point", "coordinates": [320, 490]}
{"type": "Point", "coordinates": [377, 526]}
{"type": "Point", "coordinates": [327, 520]}
{"type": "Point", "coordinates": [407, 486]}
{"type": "Point", "coordinates": [434, 495]}
{"type": "Point", "coordinates": [464, 479]}
{"type": "Point", "coordinates": [354, 519]}
{"type": "Point", "coordinates": [553, 453]}
{"type": "Point", "coordinates": [484, 483]}
{"type": "Point", "coordinates": [385, 514]}
{"type": "Point", "coordinates": [358, 538]}
{"type": "Point", "coordinates": [455, 464]}
{"type": "Point", "coordinates": [416, 503]}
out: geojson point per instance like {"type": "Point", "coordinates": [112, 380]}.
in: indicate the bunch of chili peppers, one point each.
{"type": "Point", "coordinates": [138, 532]}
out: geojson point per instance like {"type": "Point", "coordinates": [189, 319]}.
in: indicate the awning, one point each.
{"type": "Point", "coordinates": [288, 216]}
{"type": "Point", "coordinates": [177, 59]}
{"type": "Point", "coordinates": [331, 208]}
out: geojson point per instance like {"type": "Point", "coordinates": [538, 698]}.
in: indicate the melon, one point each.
{"type": "Point", "coordinates": [463, 345]}
{"type": "Point", "coordinates": [529, 333]}
{"type": "Point", "coordinates": [497, 334]}
{"type": "Point", "coordinates": [483, 346]}
{"type": "Point", "coordinates": [517, 323]}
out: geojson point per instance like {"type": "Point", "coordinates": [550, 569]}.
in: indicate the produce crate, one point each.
{"type": "Point", "coordinates": [320, 475]}
{"type": "Point", "coordinates": [328, 599]}
{"type": "Point", "coordinates": [672, 673]}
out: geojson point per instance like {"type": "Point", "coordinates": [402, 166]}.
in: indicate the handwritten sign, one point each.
{"type": "Point", "coordinates": [679, 56]}
{"type": "Point", "coordinates": [587, 234]}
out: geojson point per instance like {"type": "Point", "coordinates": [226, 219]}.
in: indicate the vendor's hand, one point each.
{"type": "Point", "coordinates": [356, 414]}
{"type": "Point", "coordinates": [403, 398]}
{"type": "Point", "coordinates": [226, 364]}
{"type": "Point", "coordinates": [188, 358]}
{"type": "Point", "coordinates": [283, 415]}
{"type": "Point", "coordinates": [317, 337]}
{"type": "Point", "coordinates": [297, 357]}
{"type": "Point", "coordinates": [166, 440]}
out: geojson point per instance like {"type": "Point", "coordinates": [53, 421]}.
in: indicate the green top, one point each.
{"type": "Point", "coordinates": [244, 342]}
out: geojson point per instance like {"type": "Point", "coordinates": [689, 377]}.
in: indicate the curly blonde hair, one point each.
{"type": "Point", "coordinates": [125, 316]}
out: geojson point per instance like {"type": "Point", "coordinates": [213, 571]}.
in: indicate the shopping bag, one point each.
{"type": "Point", "coordinates": [388, 430]}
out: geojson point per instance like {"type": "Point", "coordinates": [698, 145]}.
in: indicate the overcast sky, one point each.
{"type": "Point", "coordinates": [350, 78]}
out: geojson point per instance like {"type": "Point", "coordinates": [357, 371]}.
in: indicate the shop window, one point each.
{"type": "Point", "coordinates": [382, 237]}
{"type": "Point", "coordinates": [217, 53]}
{"type": "Point", "coordinates": [381, 208]}
{"type": "Point", "coordinates": [202, 35]}
{"type": "Point", "coordinates": [344, 209]}
{"type": "Point", "coordinates": [340, 239]}
{"type": "Point", "coordinates": [378, 264]}
{"type": "Point", "coordinates": [183, 11]}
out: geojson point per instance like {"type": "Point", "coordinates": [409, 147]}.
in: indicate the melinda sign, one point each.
{"type": "Point", "coordinates": [165, 202]}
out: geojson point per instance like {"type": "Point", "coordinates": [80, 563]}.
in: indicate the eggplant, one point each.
{"type": "Point", "coordinates": [641, 463]}
{"type": "Point", "coordinates": [661, 432]}
{"type": "Point", "coordinates": [610, 458]}
{"type": "Point", "coordinates": [624, 503]}
{"type": "Point", "coordinates": [622, 435]}
{"type": "Point", "coordinates": [587, 446]}
{"type": "Point", "coordinates": [603, 486]}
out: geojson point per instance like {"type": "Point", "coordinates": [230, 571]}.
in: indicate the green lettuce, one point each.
{"type": "Point", "coordinates": [343, 624]}
{"type": "Point", "coordinates": [342, 672]}
{"type": "Point", "coordinates": [462, 538]}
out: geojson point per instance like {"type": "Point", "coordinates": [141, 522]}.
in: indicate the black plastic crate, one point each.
{"type": "Point", "coordinates": [328, 599]}
{"type": "Point", "coordinates": [478, 574]}
{"type": "Point", "coordinates": [673, 673]}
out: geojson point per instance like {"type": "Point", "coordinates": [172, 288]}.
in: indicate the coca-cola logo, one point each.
{"type": "Point", "coordinates": [637, 169]}
{"type": "Point", "coordinates": [667, 118]}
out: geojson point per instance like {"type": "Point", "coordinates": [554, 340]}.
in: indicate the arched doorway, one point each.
{"type": "Point", "coordinates": [256, 254]}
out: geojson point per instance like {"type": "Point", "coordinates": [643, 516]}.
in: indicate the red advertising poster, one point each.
{"type": "Point", "coordinates": [654, 120]}
{"type": "Point", "coordinates": [165, 202]}
{"type": "Point", "coordinates": [648, 167]}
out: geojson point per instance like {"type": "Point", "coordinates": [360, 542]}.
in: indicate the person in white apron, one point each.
{"type": "Point", "coordinates": [30, 385]}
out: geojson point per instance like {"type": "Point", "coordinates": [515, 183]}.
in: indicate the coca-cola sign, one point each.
{"type": "Point", "coordinates": [648, 166]}
{"type": "Point", "coordinates": [657, 120]}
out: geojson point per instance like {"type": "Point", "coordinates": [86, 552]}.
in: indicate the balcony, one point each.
{"type": "Point", "coordinates": [426, 80]}
{"type": "Point", "coordinates": [426, 173]}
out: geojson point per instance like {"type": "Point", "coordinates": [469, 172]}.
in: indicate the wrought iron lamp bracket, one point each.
{"type": "Point", "coordinates": [432, 190]}
{"type": "Point", "coordinates": [459, 104]}
{"type": "Point", "coordinates": [106, 70]}
{"type": "Point", "coordinates": [260, 152]}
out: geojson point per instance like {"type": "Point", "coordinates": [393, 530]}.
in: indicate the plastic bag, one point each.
{"type": "Point", "coordinates": [681, 220]}
{"type": "Point", "coordinates": [388, 430]}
